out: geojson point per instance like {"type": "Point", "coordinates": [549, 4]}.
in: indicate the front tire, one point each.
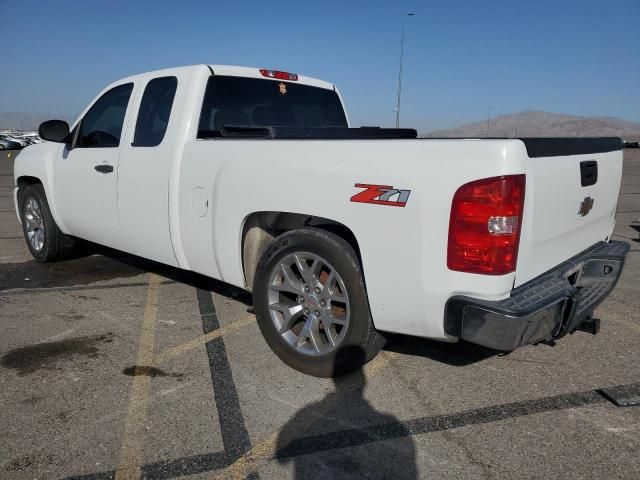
{"type": "Point", "coordinates": [45, 240]}
{"type": "Point", "coordinates": [311, 304]}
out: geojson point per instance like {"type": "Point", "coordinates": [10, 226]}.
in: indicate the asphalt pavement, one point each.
{"type": "Point", "coordinates": [112, 366]}
{"type": "Point", "coordinates": [6, 161]}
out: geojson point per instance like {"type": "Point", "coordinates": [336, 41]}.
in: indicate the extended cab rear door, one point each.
{"type": "Point", "coordinates": [145, 168]}
{"type": "Point", "coordinates": [85, 180]}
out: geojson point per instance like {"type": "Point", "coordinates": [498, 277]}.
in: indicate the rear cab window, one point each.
{"type": "Point", "coordinates": [252, 102]}
{"type": "Point", "coordinates": [154, 112]}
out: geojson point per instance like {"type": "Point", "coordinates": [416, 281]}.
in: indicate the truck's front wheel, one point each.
{"type": "Point", "coordinates": [311, 303]}
{"type": "Point", "coordinates": [45, 240]}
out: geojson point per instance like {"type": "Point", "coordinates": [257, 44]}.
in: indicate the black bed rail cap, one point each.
{"type": "Point", "coordinates": [559, 147]}
{"type": "Point", "coordinates": [344, 133]}
{"type": "Point", "coordinates": [318, 133]}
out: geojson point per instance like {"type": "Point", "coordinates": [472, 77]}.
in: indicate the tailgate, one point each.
{"type": "Point", "coordinates": [570, 204]}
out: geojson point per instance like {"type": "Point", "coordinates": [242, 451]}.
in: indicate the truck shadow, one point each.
{"type": "Point", "coordinates": [94, 263]}
{"type": "Point", "coordinates": [455, 354]}
{"type": "Point", "coordinates": [71, 272]}
{"type": "Point", "coordinates": [177, 275]}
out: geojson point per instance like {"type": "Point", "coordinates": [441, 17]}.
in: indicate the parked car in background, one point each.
{"type": "Point", "coordinates": [11, 144]}
{"type": "Point", "coordinates": [15, 140]}
{"type": "Point", "coordinates": [631, 144]}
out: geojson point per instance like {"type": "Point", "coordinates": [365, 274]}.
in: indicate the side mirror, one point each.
{"type": "Point", "coordinates": [54, 131]}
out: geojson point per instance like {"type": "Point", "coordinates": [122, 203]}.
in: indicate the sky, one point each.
{"type": "Point", "coordinates": [461, 57]}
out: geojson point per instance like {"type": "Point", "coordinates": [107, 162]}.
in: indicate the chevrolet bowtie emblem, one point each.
{"type": "Point", "coordinates": [585, 206]}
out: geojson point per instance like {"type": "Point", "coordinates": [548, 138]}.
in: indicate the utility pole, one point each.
{"type": "Point", "coordinates": [489, 122]}
{"type": "Point", "coordinates": [400, 72]}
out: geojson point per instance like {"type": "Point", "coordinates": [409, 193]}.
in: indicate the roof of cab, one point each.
{"type": "Point", "coordinates": [230, 70]}
{"type": "Point", "coordinates": [254, 72]}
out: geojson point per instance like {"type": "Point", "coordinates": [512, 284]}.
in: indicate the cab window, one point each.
{"type": "Point", "coordinates": [155, 110]}
{"type": "Point", "coordinates": [101, 127]}
{"type": "Point", "coordinates": [252, 102]}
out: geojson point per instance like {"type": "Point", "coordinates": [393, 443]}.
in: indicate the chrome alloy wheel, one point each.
{"type": "Point", "coordinates": [34, 223]}
{"type": "Point", "coordinates": [308, 303]}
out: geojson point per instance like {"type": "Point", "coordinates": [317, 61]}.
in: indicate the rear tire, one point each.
{"type": "Point", "coordinates": [310, 280]}
{"type": "Point", "coordinates": [45, 240]}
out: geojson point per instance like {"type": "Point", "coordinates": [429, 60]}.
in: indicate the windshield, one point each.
{"type": "Point", "coordinates": [252, 102]}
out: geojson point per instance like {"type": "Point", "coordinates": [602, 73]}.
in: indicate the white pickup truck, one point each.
{"type": "Point", "coordinates": [253, 177]}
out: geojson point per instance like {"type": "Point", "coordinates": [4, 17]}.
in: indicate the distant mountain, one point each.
{"type": "Point", "coordinates": [27, 121]}
{"type": "Point", "coordinates": [545, 124]}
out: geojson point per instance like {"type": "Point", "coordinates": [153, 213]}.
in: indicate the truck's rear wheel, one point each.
{"type": "Point", "coordinates": [311, 303]}
{"type": "Point", "coordinates": [45, 240]}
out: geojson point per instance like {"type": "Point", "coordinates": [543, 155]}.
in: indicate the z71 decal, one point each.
{"type": "Point", "coordinates": [381, 195]}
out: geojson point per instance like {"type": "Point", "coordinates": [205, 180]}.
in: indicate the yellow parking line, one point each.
{"type": "Point", "coordinates": [201, 340]}
{"type": "Point", "coordinates": [266, 449]}
{"type": "Point", "coordinates": [131, 451]}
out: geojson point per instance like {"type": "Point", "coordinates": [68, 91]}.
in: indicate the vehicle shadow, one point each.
{"type": "Point", "coordinates": [343, 436]}
{"type": "Point", "coordinates": [80, 269]}
{"type": "Point", "coordinates": [176, 274]}
{"type": "Point", "coordinates": [455, 354]}
{"type": "Point", "coordinates": [92, 263]}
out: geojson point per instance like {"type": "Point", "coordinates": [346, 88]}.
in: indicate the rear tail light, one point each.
{"type": "Point", "coordinates": [279, 75]}
{"type": "Point", "coordinates": [484, 227]}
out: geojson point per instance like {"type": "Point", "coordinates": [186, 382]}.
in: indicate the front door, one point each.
{"type": "Point", "coordinates": [86, 178]}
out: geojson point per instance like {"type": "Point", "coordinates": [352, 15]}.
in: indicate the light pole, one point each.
{"type": "Point", "coordinates": [489, 122]}
{"type": "Point", "coordinates": [400, 72]}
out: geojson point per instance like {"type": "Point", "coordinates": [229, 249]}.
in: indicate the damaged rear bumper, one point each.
{"type": "Point", "coordinates": [548, 307]}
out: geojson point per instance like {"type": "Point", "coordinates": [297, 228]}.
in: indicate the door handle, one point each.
{"type": "Point", "coordinates": [104, 168]}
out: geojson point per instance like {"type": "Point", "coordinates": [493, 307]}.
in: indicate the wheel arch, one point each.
{"type": "Point", "coordinates": [261, 228]}
{"type": "Point", "coordinates": [25, 180]}
{"type": "Point", "coordinates": [22, 182]}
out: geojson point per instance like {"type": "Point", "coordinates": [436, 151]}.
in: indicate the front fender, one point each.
{"type": "Point", "coordinates": [38, 161]}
